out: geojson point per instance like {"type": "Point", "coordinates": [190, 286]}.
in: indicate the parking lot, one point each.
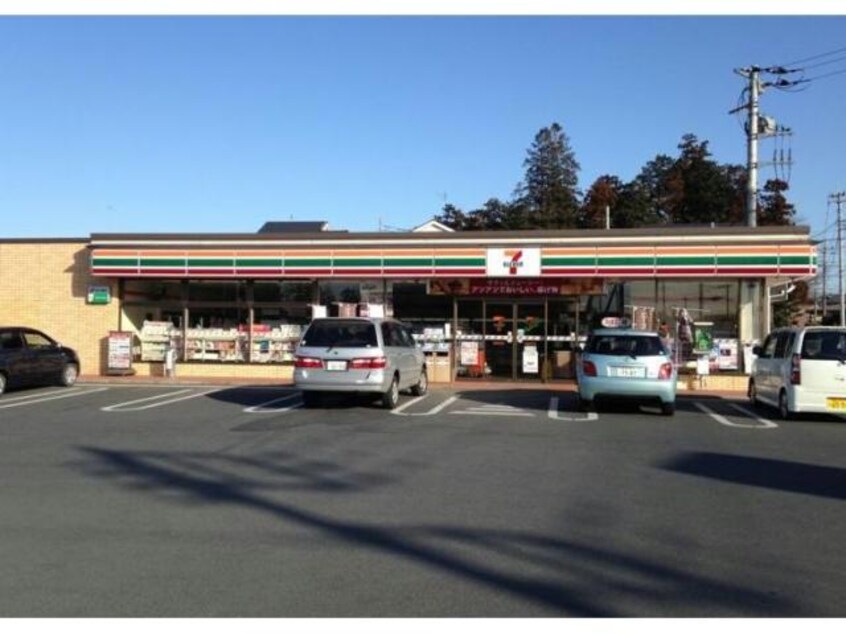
{"type": "Point", "coordinates": [123, 500]}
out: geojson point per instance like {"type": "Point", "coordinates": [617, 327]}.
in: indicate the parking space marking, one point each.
{"type": "Point", "coordinates": [765, 422]}
{"type": "Point", "coordinates": [431, 412]}
{"type": "Point", "coordinates": [555, 415]}
{"type": "Point", "coordinates": [262, 408]}
{"type": "Point", "coordinates": [122, 407]}
{"type": "Point", "coordinates": [399, 409]}
{"type": "Point", "coordinates": [722, 420]}
{"type": "Point", "coordinates": [32, 399]}
{"type": "Point", "coordinates": [492, 410]}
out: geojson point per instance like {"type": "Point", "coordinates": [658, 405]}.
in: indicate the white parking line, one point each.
{"type": "Point", "coordinates": [52, 396]}
{"type": "Point", "coordinates": [431, 412]}
{"type": "Point", "coordinates": [493, 410]}
{"type": "Point", "coordinates": [554, 415]}
{"type": "Point", "coordinates": [722, 420]}
{"type": "Point", "coordinates": [765, 422]}
{"type": "Point", "coordinates": [262, 408]}
{"type": "Point", "coordinates": [122, 407]}
{"type": "Point", "coordinates": [409, 404]}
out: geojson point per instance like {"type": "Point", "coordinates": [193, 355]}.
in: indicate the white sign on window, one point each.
{"type": "Point", "coordinates": [513, 262]}
{"type": "Point", "coordinates": [469, 353]}
{"type": "Point", "coordinates": [530, 359]}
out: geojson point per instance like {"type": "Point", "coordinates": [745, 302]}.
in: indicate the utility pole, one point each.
{"type": "Point", "coordinates": [751, 74]}
{"type": "Point", "coordinates": [838, 198]}
{"type": "Point", "coordinates": [754, 319]}
{"type": "Point", "coordinates": [825, 275]}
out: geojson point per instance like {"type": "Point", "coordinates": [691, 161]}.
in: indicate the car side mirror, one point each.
{"type": "Point", "coordinates": [756, 350]}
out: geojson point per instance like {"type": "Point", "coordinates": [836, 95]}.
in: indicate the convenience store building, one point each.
{"type": "Point", "coordinates": [494, 304]}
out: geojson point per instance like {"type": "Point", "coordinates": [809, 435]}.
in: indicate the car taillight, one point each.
{"type": "Point", "coordinates": [307, 362]}
{"type": "Point", "coordinates": [795, 370]}
{"type": "Point", "coordinates": [666, 371]}
{"type": "Point", "coordinates": [370, 363]}
{"type": "Point", "coordinates": [588, 368]}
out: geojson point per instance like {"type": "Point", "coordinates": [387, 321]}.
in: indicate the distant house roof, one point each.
{"type": "Point", "coordinates": [295, 226]}
{"type": "Point", "coordinates": [432, 226]}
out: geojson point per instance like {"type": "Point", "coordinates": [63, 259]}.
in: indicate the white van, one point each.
{"type": "Point", "coordinates": [801, 370]}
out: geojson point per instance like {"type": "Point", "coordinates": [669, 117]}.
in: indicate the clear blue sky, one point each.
{"type": "Point", "coordinates": [217, 124]}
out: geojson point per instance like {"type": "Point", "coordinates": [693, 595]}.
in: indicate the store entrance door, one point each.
{"type": "Point", "coordinates": [514, 334]}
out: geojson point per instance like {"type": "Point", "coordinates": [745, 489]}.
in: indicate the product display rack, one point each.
{"type": "Point", "coordinates": [155, 336]}
{"type": "Point", "coordinates": [213, 344]}
{"type": "Point", "coordinates": [273, 348]}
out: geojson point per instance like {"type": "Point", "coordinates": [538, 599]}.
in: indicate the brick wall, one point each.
{"type": "Point", "coordinates": [44, 285]}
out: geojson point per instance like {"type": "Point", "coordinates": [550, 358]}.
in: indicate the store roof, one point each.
{"type": "Point", "coordinates": [667, 234]}
{"type": "Point", "coordinates": [294, 226]}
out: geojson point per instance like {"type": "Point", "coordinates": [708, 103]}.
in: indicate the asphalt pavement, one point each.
{"type": "Point", "coordinates": [207, 500]}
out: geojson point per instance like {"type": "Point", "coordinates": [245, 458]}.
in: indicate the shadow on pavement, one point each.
{"type": "Point", "coordinates": [563, 576]}
{"type": "Point", "coordinates": [783, 475]}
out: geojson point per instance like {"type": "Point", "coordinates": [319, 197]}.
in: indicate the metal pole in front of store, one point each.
{"type": "Point", "coordinates": [453, 361]}
{"type": "Point", "coordinates": [546, 366]}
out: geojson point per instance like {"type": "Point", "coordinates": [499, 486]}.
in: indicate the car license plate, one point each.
{"type": "Point", "coordinates": [629, 373]}
{"type": "Point", "coordinates": [837, 404]}
{"type": "Point", "coordinates": [336, 366]}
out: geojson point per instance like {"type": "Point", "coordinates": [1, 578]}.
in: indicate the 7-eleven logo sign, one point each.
{"type": "Point", "coordinates": [513, 262]}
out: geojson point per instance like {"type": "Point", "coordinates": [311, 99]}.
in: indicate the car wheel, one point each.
{"type": "Point", "coordinates": [69, 375]}
{"type": "Point", "coordinates": [390, 399]}
{"type": "Point", "coordinates": [783, 408]}
{"type": "Point", "coordinates": [668, 409]}
{"type": "Point", "coordinates": [2, 383]}
{"type": "Point", "coordinates": [752, 393]}
{"type": "Point", "coordinates": [584, 405]}
{"type": "Point", "coordinates": [311, 399]}
{"type": "Point", "coordinates": [422, 384]}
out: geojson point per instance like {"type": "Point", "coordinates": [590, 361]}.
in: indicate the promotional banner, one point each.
{"type": "Point", "coordinates": [517, 287]}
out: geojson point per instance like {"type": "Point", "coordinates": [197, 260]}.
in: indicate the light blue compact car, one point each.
{"type": "Point", "coordinates": [626, 364]}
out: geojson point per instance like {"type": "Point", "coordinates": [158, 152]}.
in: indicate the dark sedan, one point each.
{"type": "Point", "coordinates": [29, 357]}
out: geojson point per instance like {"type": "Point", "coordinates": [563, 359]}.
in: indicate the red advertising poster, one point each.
{"type": "Point", "coordinates": [515, 287]}
{"type": "Point", "coordinates": [120, 352]}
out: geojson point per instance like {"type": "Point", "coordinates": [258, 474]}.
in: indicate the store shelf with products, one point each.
{"type": "Point", "coordinates": [155, 337]}
{"type": "Point", "coordinates": [214, 344]}
{"type": "Point", "coordinates": [275, 345]}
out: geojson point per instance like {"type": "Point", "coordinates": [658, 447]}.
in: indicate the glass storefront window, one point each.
{"type": "Point", "coordinates": [217, 291]}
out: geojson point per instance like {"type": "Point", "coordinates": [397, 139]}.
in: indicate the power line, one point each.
{"type": "Point", "coordinates": [825, 63]}
{"type": "Point", "coordinates": [813, 57]}
{"type": "Point", "coordinates": [810, 79]}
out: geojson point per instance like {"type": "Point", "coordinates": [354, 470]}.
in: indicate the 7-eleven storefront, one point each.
{"type": "Point", "coordinates": [509, 305]}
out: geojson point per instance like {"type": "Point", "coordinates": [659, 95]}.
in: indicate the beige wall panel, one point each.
{"type": "Point", "coordinates": [44, 285]}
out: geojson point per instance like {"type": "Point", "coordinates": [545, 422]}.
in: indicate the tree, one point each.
{"type": "Point", "coordinates": [601, 195]}
{"type": "Point", "coordinates": [700, 190]}
{"type": "Point", "coordinates": [652, 183]}
{"type": "Point", "coordinates": [774, 208]}
{"type": "Point", "coordinates": [634, 208]}
{"type": "Point", "coordinates": [549, 189]}
{"type": "Point", "coordinates": [452, 217]}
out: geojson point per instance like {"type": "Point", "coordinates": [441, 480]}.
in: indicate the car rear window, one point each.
{"type": "Point", "coordinates": [637, 345]}
{"type": "Point", "coordinates": [341, 334]}
{"type": "Point", "coordinates": [824, 345]}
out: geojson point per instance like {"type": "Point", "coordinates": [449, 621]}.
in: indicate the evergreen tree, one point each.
{"type": "Point", "coordinates": [652, 184]}
{"type": "Point", "coordinates": [549, 189]}
{"type": "Point", "coordinates": [601, 195]}
{"type": "Point", "coordinates": [452, 217]}
{"type": "Point", "coordinates": [773, 208]}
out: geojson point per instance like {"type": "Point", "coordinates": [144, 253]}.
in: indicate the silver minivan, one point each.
{"type": "Point", "coordinates": [801, 370]}
{"type": "Point", "coordinates": [357, 354]}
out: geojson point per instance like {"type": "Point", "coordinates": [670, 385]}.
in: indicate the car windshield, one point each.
{"type": "Point", "coordinates": [332, 333]}
{"type": "Point", "coordinates": [824, 345]}
{"type": "Point", "coordinates": [626, 345]}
